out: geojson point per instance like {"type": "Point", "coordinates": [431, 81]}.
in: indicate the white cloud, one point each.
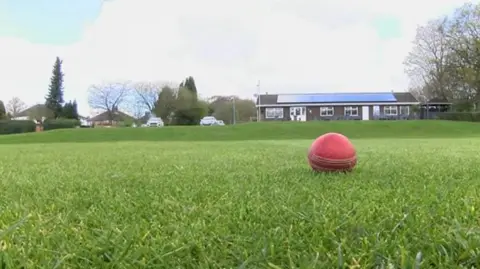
{"type": "Point", "coordinates": [291, 46]}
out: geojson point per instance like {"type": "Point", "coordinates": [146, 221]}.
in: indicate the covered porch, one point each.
{"type": "Point", "coordinates": [431, 108]}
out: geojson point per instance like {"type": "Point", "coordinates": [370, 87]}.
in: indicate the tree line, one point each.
{"type": "Point", "coordinates": [175, 104]}
{"type": "Point", "coordinates": [445, 60]}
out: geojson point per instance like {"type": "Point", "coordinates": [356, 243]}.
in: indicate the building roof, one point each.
{"type": "Point", "coordinates": [331, 98]}
{"type": "Point", "coordinates": [38, 110]}
{"type": "Point", "coordinates": [405, 97]}
{"type": "Point", "coordinates": [117, 116]}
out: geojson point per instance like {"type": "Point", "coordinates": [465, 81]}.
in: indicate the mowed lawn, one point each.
{"type": "Point", "coordinates": [239, 204]}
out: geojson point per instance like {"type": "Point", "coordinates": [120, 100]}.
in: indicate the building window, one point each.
{"type": "Point", "coordinates": [390, 110]}
{"type": "Point", "coordinates": [274, 113]}
{"type": "Point", "coordinates": [326, 111]}
{"type": "Point", "coordinates": [351, 111]}
{"type": "Point", "coordinates": [404, 110]}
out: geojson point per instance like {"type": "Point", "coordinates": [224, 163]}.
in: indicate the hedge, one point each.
{"type": "Point", "coordinates": [52, 124]}
{"type": "Point", "coordinates": [16, 126]}
{"type": "Point", "coordinates": [460, 116]}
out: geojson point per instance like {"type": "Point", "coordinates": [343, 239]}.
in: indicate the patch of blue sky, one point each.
{"type": "Point", "coordinates": [47, 21]}
{"type": "Point", "coordinates": [387, 27]}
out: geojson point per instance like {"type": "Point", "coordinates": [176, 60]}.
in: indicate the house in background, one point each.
{"type": "Point", "coordinates": [336, 106]}
{"type": "Point", "coordinates": [37, 112]}
{"type": "Point", "coordinates": [103, 119]}
{"type": "Point", "coordinates": [40, 112]}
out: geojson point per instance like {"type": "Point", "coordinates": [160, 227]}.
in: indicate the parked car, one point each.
{"type": "Point", "coordinates": [219, 122]}
{"type": "Point", "coordinates": [208, 120]}
{"type": "Point", "coordinates": [154, 122]}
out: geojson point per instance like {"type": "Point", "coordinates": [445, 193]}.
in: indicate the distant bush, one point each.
{"type": "Point", "coordinates": [460, 116]}
{"type": "Point", "coordinates": [16, 126]}
{"type": "Point", "coordinates": [52, 124]}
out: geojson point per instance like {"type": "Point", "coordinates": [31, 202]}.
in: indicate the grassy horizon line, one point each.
{"type": "Point", "coordinates": [256, 131]}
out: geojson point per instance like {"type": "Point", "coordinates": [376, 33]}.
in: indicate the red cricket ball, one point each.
{"type": "Point", "coordinates": [332, 152]}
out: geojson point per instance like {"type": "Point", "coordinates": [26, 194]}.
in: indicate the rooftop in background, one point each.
{"type": "Point", "coordinates": [336, 97]}
{"type": "Point", "coordinates": [117, 116]}
{"type": "Point", "coordinates": [324, 98]}
{"type": "Point", "coordinates": [36, 111]}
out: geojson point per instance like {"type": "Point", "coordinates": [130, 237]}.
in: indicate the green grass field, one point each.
{"type": "Point", "coordinates": [241, 197]}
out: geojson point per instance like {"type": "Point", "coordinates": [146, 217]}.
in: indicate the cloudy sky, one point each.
{"type": "Point", "coordinates": [227, 46]}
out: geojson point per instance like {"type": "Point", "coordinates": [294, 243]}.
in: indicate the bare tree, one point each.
{"type": "Point", "coordinates": [15, 106]}
{"type": "Point", "coordinates": [146, 94]}
{"type": "Point", "coordinates": [420, 93]}
{"type": "Point", "coordinates": [108, 96]}
{"type": "Point", "coordinates": [464, 35]}
{"type": "Point", "coordinates": [427, 64]}
{"type": "Point", "coordinates": [445, 60]}
{"type": "Point", "coordinates": [138, 112]}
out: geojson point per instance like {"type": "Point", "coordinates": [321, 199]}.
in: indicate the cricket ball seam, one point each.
{"type": "Point", "coordinates": [321, 168]}
{"type": "Point", "coordinates": [334, 165]}
{"type": "Point", "coordinates": [329, 160]}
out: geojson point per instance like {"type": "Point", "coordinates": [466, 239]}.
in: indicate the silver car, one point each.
{"type": "Point", "coordinates": [207, 121]}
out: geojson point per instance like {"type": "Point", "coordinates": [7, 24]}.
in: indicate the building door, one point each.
{"type": "Point", "coordinates": [376, 111]}
{"type": "Point", "coordinates": [298, 114]}
{"type": "Point", "coordinates": [365, 112]}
